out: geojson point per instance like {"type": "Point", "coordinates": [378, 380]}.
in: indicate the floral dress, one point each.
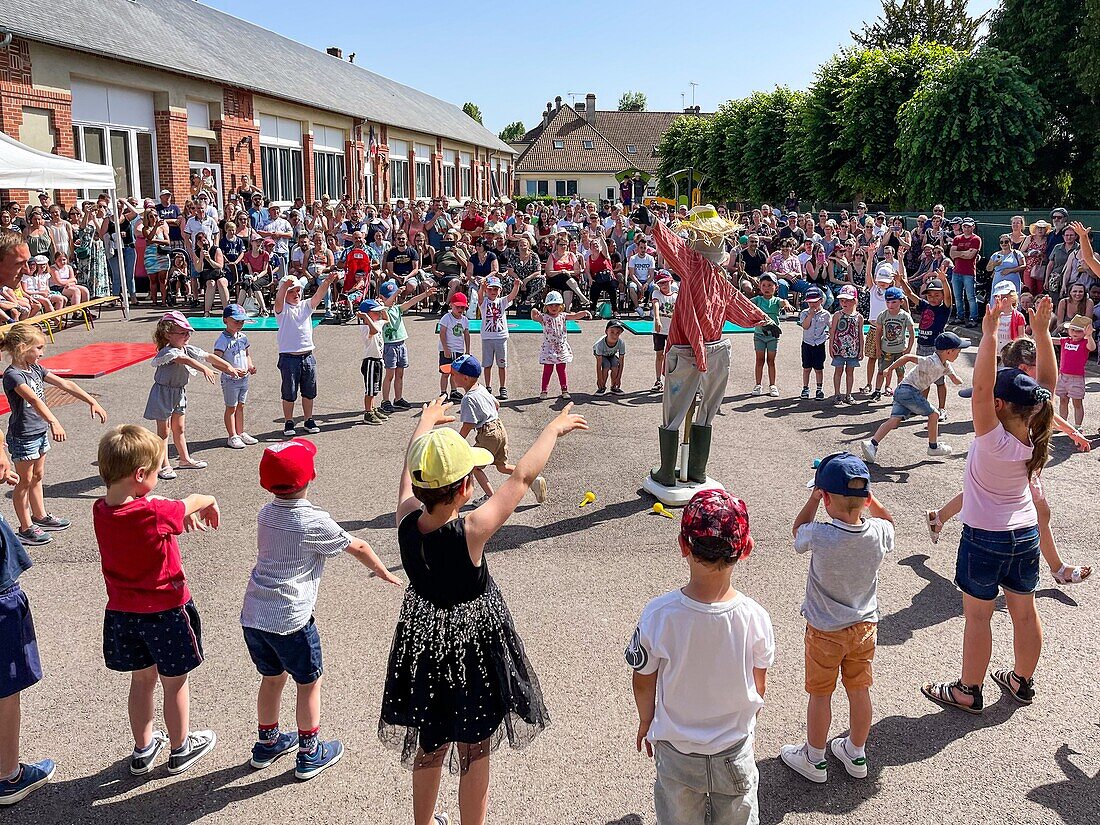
{"type": "Point", "coordinates": [536, 287]}
{"type": "Point", "coordinates": [92, 271]}
{"type": "Point", "coordinates": [555, 347]}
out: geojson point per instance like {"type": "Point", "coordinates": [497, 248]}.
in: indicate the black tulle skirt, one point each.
{"type": "Point", "coordinates": [458, 676]}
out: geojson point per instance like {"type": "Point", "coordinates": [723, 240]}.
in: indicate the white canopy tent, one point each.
{"type": "Point", "coordinates": [22, 167]}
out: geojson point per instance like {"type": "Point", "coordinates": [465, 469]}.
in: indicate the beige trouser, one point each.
{"type": "Point", "coordinates": [683, 381]}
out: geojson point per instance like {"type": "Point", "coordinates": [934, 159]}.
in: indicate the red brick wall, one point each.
{"type": "Point", "coordinates": [172, 166]}
{"type": "Point", "coordinates": [308, 169]}
{"type": "Point", "coordinates": [237, 158]}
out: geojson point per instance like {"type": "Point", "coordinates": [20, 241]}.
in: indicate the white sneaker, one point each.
{"type": "Point", "coordinates": [235, 442]}
{"type": "Point", "coordinates": [249, 440]}
{"type": "Point", "coordinates": [538, 487]}
{"type": "Point", "coordinates": [758, 390]}
{"type": "Point", "coordinates": [870, 451]}
{"type": "Point", "coordinates": [856, 766]}
{"type": "Point", "coordinates": [773, 391]}
{"type": "Point", "coordinates": [943, 415]}
{"type": "Point", "coordinates": [940, 449]}
{"type": "Point", "coordinates": [796, 758]}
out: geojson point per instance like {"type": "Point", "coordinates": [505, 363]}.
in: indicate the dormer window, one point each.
{"type": "Point", "coordinates": [588, 144]}
{"type": "Point", "coordinates": [631, 149]}
{"type": "Point", "coordinates": [559, 144]}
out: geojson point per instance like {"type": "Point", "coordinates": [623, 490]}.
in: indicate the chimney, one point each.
{"type": "Point", "coordinates": [335, 51]}
{"type": "Point", "coordinates": [351, 57]}
{"type": "Point", "coordinates": [557, 102]}
{"type": "Point", "coordinates": [590, 107]}
{"type": "Point", "coordinates": [549, 113]}
{"type": "Point", "coordinates": [692, 110]}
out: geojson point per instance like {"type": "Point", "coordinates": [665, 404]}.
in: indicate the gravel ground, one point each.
{"type": "Point", "coordinates": [576, 581]}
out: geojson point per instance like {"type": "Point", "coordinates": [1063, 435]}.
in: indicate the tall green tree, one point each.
{"type": "Point", "coordinates": [473, 110]}
{"type": "Point", "coordinates": [684, 145]}
{"type": "Point", "coordinates": [933, 21]}
{"type": "Point", "coordinates": [871, 98]}
{"type": "Point", "coordinates": [970, 133]}
{"type": "Point", "coordinates": [724, 156]}
{"type": "Point", "coordinates": [770, 122]}
{"type": "Point", "coordinates": [818, 134]}
{"type": "Point", "coordinates": [513, 132]}
{"type": "Point", "coordinates": [632, 102]}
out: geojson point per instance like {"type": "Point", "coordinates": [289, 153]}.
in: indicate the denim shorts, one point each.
{"type": "Point", "coordinates": [299, 374]}
{"type": "Point", "coordinates": [720, 788]}
{"type": "Point", "coordinates": [764, 343]}
{"type": "Point", "coordinates": [908, 401]}
{"type": "Point", "coordinates": [20, 667]}
{"type": "Point", "coordinates": [992, 560]}
{"type": "Point", "coordinates": [297, 653]}
{"type": "Point", "coordinates": [28, 449]}
{"type": "Point", "coordinates": [839, 361]}
{"type": "Point", "coordinates": [395, 355]}
{"type": "Point", "coordinates": [235, 391]}
{"type": "Point", "coordinates": [170, 639]}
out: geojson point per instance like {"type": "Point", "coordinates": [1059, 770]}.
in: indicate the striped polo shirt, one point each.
{"type": "Point", "coordinates": [294, 539]}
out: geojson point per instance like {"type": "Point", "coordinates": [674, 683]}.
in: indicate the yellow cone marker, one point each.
{"type": "Point", "coordinates": [589, 497]}
{"type": "Point", "coordinates": [660, 510]}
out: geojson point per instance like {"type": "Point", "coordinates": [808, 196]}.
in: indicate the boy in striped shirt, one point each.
{"type": "Point", "coordinates": [294, 538]}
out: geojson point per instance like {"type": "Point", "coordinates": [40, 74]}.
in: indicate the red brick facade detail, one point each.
{"type": "Point", "coordinates": [172, 153]}
{"type": "Point", "coordinates": [15, 63]}
{"type": "Point", "coordinates": [309, 172]}
{"type": "Point", "coordinates": [238, 140]}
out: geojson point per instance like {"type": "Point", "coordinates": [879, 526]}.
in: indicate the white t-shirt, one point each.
{"type": "Point", "coordinates": [494, 319]}
{"type": "Point", "coordinates": [372, 341]}
{"type": "Point", "coordinates": [455, 329]}
{"type": "Point", "coordinates": [208, 226]}
{"type": "Point", "coordinates": [704, 655]}
{"type": "Point", "coordinates": [878, 300]}
{"type": "Point", "coordinates": [643, 266]}
{"type": "Point", "coordinates": [295, 332]}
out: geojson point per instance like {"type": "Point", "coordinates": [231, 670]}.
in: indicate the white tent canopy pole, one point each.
{"type": "Point", "coordinates": [22, 167]}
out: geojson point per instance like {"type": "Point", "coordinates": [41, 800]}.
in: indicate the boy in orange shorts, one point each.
{"type": "Point", "coordinates": [841, 610]}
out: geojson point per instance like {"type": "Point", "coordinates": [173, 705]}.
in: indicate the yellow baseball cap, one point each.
{"type": "Point", "coordinates": [442, 457]}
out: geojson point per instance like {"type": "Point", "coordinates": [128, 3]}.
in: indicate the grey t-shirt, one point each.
{"type": "Point", "coordinates": [478, 407]}
{"type": "Point", "coordinates": [841, 588]}
{"type": "Point", "coordinates": [25, 422]}
{"type": "Point", "coordinates": [603, 349]}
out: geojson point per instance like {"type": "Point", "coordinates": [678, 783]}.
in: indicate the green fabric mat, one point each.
{"type": "Point", "coordinates": [524, 325]}
{"type": "Point", "coordinates": [646, 328]}
{"type": "Point", "coordinates": [251, 325]}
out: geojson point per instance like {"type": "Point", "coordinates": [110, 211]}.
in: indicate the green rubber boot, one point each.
{"type": "Point", "coordinates": [698, 453]}
{"type": "Point", "coordinates": [669, 440]}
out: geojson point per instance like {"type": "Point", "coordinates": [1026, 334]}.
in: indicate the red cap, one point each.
{"type": "Point", "coordinates": [716, 513]}
{"type": "Point", "coordinates": [459, 300]}
{"type": "Point", "coordinates": [288, 466]}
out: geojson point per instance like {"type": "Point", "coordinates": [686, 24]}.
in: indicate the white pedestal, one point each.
{"type": "Point", "coordinates": [681, 494]}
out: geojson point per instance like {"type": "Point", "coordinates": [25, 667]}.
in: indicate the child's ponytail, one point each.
{"type": "Point", "coordinates": [160, 333]}
{"type": "Point", "coordinates": [1040, 428]}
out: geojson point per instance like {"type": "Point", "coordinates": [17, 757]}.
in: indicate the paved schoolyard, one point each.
{"type": "Point", "coordinates": [575, 581]}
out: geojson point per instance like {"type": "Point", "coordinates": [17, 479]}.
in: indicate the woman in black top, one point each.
{"type": "Point", "coordinates": [458, 674]}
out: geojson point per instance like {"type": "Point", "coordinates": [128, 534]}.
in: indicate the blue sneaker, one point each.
{"type": "Point", "coordinates": [31, 778]}
{"type": "Point", "coordinates": [264, 753]}
{"type": "Point", "coordinates": [325, 755]}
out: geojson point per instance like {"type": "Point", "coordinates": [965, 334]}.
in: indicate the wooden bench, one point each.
{"type": "Point", "coordinates": [44, 318]}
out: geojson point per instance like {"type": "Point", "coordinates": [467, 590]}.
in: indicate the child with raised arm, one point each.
{"type": "Point", "coordinates": [294, 339]}
{"type": "Point", "coordinates": [232, 346]}
{"type": "Point", "coordinates": [371, 315]}
{"type": "Point", "coordinates": [910, 396]}
{"type": "Point", "coordinates": [494, 331]}
{"type": "Point", "coordinates": [30, 427]}
{"type": "Point", "coordinates": [295, 538]}
{"type": "Point", "coordinates": [454, 340]}
{"type": "Point", "coordinates": [395, 353]}
{"type": "Point", "coordinates": [454, 619]}
{"type": "Point", "coordinates": [555, 352]}
{"type": "Point", "coordinates": [841, 610]}
{"type": "Point", "coordinates": [150, 627]}
{"type": "Point", "coordinates": [175, 362]}
{"type": "Point", "coordinates": [1076, 346]}
{"type": "Point", "coordinates": [896, 337]}
{"type": "Point", "coordinates": [700, 656]}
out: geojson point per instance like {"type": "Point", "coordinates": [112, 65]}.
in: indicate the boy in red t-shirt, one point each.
{"type": "Point", "coordinates": [150, 626]}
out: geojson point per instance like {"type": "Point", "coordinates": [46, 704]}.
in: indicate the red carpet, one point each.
{"type": "Point", "coordinates": [95, 360]}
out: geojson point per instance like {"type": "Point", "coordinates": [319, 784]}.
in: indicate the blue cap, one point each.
{"type": "Point", "coordinates": [813, 294]}
{"type": "Point", "coordinates": [369, 305]}
{"type": "Point", "coordinates": [949, 340]}
{"type": "Point", "coordinates": [1017, 387]}
{"type": "Point", "coordinates": [464, 365]}
{"type": "Point", "coordinates": [388, 289]}
{"type": "Point", "coordinates": [492, 281]}
{"type": "Point", "coordinates": [894, 294]}
{"type": "Point", "coordinates": [236, 312]}
{"type": "Point", "coordinates": [843, 474]}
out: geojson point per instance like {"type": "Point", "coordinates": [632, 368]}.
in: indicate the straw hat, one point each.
{"type": "Point", "coordinates": [1038, 225]}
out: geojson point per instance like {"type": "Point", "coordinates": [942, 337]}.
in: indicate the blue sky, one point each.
{"type": "Point", "coordinates": [510, 58]}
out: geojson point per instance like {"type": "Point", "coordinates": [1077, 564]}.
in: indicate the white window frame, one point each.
{"type": "Point", "coordinates": [559, 144]}
{"type": "Point", "coordinates": [466, 174]}
{"type": "Point", "coordinates": [423, 171]}
{"type": "Point", "coordinates": [283, 175]}
{"type": "Point", "coordinates": [448, 170]}
{"type": "Point", "coordinates": [562, 187]}
{"type": "Point", "coordinates": [399, 169]}
{"type": "Point", "coordinates": [140, 188]}
{"type": "Point", "coordinates": [328, 173]}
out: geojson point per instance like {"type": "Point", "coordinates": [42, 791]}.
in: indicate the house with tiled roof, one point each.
{"type": "Point", "coordinates": [577, 149]}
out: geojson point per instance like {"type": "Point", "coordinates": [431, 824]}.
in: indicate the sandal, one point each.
{"type": "Point", "coordinates": [941, 693]}
{"type": "Point", "coordinates": [192, 465]}
{"type": "Point", "coordinates": [1071, 575]}
{"type": "Point", "coordinates": [935, 525]}
{"type": "Point", "coordinates": [166, 474]}
{"type": "Point", "coordinates": [1024, 694]}
{"type": "Point", "coordinates": [866, 390]}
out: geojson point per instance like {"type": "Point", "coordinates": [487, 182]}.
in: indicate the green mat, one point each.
{"type": "Point", "coordinates": [251, 325]}
{"type": "Point", "coordinates": [523, 325]}
{"type": "Point", "coordinates": [646, 328]}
